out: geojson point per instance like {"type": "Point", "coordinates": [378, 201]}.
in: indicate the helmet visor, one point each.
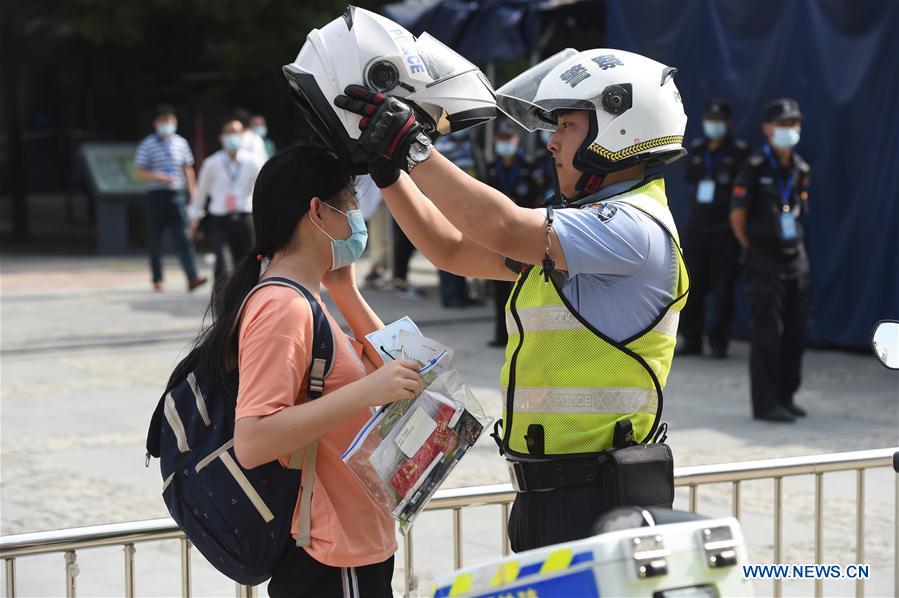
{"type": "Point", "coordinates": [519, 97]}
{"type": "Point", "coordinates": [440, 61]}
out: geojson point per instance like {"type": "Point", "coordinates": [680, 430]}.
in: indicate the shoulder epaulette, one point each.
{"type": "Point", "coordinates": [697, 143]}
{"type": "Point", "coordinates": [756, 160]}
{"type": "Point", "coordinates": [741, 144]}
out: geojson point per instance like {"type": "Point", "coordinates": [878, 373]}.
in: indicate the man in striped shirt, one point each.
{"type": "Point", "coordinates": [164, 161]}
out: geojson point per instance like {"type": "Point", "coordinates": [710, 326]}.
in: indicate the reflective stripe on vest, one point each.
{"type": "Point", "coordinates": [574, 381]}
{"type": "Point", "coordinates": [557, 317]}
{"type": "Point", "coordinates": [585, 400]}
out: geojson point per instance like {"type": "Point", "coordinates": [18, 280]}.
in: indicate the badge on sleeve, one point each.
{"type": "Point", "coordinates": [705, 192]}
{"type": "Point", "coordinates": [606, 212]}
{"type": "Point", "coordinates": [787, 226]}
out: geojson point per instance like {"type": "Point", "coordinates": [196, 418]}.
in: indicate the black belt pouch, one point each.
{"type": "Point", "coordinates": [641, 475]}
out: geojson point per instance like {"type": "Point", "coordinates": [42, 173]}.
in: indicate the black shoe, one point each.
{"type": "Point", "coordinates": [196, 281]}
{"type": "Point", "coordinates": [719, 351]}
{"type": "Point", "coordinates": [795, 410]}
{"type": "Point", "coordinates": [776, 414]}
{"type": "Point", "coordinates": [497, 343]}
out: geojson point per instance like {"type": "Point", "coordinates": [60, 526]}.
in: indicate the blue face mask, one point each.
{"type": "Point", "coordinates": [166, 129]}
{"type": "Point", "coordinates": [785, 137]}
{"type": "Point", "coordinates": [261, 130]}
{"type": "Point", "coordinates": [346, 251]}
{"type": "Point", "coordinates": [504, 149]}
{"type": "Point", "coordinates": [714, 129]}
{"type": "Point", "coordinates": [231, 142]}
{"type": "Point", "coordinates": [545, 136]}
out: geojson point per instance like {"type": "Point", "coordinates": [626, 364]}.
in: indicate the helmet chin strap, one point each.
{"type": "Point", "coordinates": [588, 184]}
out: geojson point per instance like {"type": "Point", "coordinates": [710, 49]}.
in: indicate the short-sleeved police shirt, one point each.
{"type": "Point", "coordinates": [720, 167]}
{"type": "Point", "coordinates": [169, 155]}
{"type": "Point", "coordinates": [622, 265]}
{"type": "Point", "coordinates": [757, 188]}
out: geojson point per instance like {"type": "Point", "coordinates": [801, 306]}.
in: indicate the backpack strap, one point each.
{"type": "Point", "coordinates": [320, 366]}
{"type": "Point", "coordinates": [304, 516]}
{"type": "Point", "coordinates": [322, 339]}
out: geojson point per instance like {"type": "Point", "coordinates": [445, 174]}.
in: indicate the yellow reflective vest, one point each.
{"type": "Point", "coordinates": [564, 383]}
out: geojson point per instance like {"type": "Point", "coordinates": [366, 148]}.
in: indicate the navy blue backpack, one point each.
{"type": "Point", "coordinates": [239, 519]}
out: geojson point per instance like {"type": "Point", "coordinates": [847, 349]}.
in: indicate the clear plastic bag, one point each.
{"type": "Point", "coordinates": [408, 448]}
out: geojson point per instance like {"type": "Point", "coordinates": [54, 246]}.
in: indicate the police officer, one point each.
{"type": "Point", "coordinates": [710, 248]}
{"type": "Point", "coordinates": [769, 195]}
{"type": "Point", "coordinates": [521, 180]}
{"type": "Point", "coordinates": [599, 281]}
{"type": "Point", "coordinates": [459, 150]}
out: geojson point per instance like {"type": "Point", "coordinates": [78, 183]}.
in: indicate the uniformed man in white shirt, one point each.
{"type": "Point", "coordinates": [226, 182]}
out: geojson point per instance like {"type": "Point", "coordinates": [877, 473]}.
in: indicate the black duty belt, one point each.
{"type": "Point", "coordinates": [558, 473]}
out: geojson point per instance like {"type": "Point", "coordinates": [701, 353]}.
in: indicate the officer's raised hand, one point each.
{"type": "Point", "coordinates": [390, 132]}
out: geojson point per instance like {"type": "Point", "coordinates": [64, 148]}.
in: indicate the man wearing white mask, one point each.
{"type": "Point", "coordinates": [769, 195]}
{"type": "Point", "coordinates": [710, 248]}
{"type": "Point", "coordinates": [250, 140]}
{"type": "Point", "coordinates": [227, 178]}
{"type": "Point", "coordinates": [259, 126]}
{"type": "Point", "coordinates": [164, 161]}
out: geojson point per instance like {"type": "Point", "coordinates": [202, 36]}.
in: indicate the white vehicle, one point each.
{"type": "Point", "coordinates": [637, 552]}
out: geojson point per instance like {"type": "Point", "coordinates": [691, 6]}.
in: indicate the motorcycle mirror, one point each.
{"type": "Point", "coordinates": [885, 343]}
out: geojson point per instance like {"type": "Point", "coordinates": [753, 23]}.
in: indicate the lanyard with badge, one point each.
{"type": "Point", "coordinates": [788, 231]}
{"type": "Point", "coordinates": [233, 176]}
{"type": "Point", "coordinates": [705, 192]}
{"type": "Point", "coordinates": [169, 162]}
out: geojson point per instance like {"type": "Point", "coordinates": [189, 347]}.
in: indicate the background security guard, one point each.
{"type": "Point", "coordinates": [600, 281]}
{"type": "Point", "coordinates": [711, 251]}
{"type": "Point", "coordinates": [769, 196]}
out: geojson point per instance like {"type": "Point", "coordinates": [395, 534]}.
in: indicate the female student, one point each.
{"type": "Point", "coordinates": [309, 230]}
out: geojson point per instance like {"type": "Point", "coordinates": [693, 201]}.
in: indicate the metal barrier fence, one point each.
{"type": "Point", "coordinates": [69, 541]}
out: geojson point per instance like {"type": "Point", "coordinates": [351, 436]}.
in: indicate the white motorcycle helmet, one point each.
{"type": "Point", "coordinates": [447, 92]}
{"type": "Point", "coordinates": [636, 112]}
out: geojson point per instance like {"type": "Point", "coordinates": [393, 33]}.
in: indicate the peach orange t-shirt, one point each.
{"type": "Point", "coordinates": [348, 529]}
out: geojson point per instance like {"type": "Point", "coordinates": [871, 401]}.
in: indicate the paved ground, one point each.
{"type": "Point", "coordinates": [86, 349]}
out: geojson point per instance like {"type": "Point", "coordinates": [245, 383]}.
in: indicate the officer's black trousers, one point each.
{"type": "Point", "coordinates": [552, 516]}
{"type": "Point", "coordinates": [778, 309]}
{"type": "Point", "coordinates": [231, 234]}
{"type": "Point", "coordinates": [712, 259]}
{"type": "Point", "coordinates": [501, 291]}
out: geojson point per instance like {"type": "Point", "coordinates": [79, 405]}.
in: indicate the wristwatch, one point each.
{"type": "Point", "coordinates": [419, 151]}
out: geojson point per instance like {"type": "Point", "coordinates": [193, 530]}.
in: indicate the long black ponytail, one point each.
{"type": "Point", "coordinates": [281, 198]}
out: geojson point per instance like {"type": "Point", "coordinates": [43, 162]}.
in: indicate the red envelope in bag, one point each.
{"type": "Point", "coordinates": [442, 439]}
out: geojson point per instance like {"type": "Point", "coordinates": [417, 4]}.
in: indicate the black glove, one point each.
{"type": "Point", "coordinates": [383, 171]}
{"type": "Point", "coordinates": [388, 128]}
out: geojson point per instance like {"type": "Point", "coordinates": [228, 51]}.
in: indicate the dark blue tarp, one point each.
{"type": "Point", "coordinates": [485, 31]}
{"type": "Point", "coordinates": [840, 59]}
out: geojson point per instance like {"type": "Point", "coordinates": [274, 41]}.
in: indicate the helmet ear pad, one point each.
{"type": "Point", "coordinates": [586, 161]}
